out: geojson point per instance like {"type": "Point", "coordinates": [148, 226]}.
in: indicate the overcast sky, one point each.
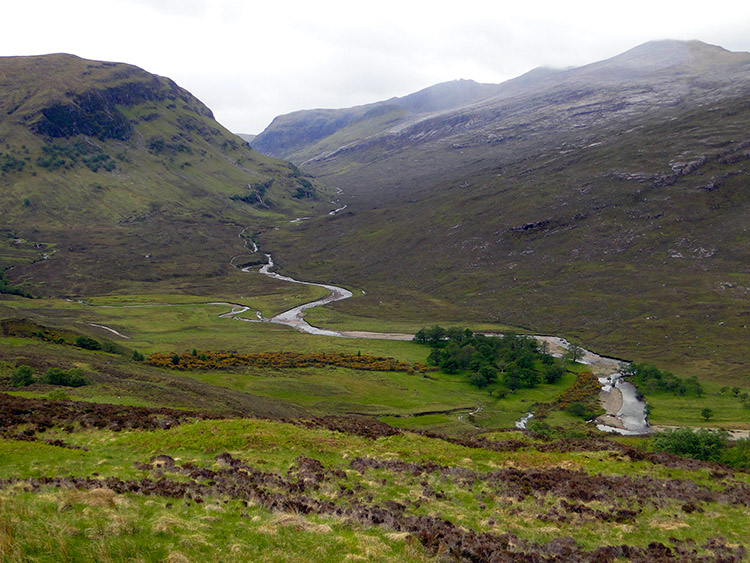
{"type": "Point", "coordinates": [251, 61]}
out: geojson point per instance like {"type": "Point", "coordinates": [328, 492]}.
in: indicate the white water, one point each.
{"type": "Point", "coordinates": [295, 317]}
{"type": "Point", "coordinates": [632, 414]}
{"type": "Point", "coordinates": [521, 423]}
{"type": "Point", "coordinates": [333, 212]}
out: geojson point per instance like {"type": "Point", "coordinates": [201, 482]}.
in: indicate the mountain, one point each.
{"type": "Point", "coordinates": [293, 136]}
{"type": "Point", "coordinates": [607, 202]}
{"type": "Point", "coordinates": [113, 177]}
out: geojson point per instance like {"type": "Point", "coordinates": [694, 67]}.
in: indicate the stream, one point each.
{"type": "Point", "coordinates": [626, 411]}
{"type": "Point", "coordinates": [295, 317]}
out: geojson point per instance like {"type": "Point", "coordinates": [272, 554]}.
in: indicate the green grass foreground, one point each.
{"type": "Point", "coordinates": [60, 503]}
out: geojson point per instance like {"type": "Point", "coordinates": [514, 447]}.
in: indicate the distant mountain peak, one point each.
{"type": "Point", "coordinates": [665, 53]}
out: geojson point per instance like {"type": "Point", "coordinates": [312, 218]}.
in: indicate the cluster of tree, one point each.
{"type": "Point", "coordinates": [88, 343]}
{"type": "Point", "coordinates": [73, 377]}
{"type": "Point", "coordinates": [305, 189]}
{"type": "Point", "coordinates": [57, 155]}
{"type": "Point", "coordinates": [744, 397]}
{"type": "Point", "coordinates": [650, 378]}
{"type": "Point", "coordinates": [704, 444]}
{"type": "Point", "coordinates": [515, 361]}
{"type": "Point", "coordinates": [255, 194]}
{"type": "Point", "coordinates": [9, 163]}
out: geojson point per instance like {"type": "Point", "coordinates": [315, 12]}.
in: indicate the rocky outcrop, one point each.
{"type": "Point", "coordinates": [95, 112]}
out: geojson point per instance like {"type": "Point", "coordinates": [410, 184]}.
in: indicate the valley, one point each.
{"type": "Point", "coordinates": [402, 342]}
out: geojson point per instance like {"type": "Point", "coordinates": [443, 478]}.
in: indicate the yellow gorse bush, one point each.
{"type": "Point", "coordinates": [231, 360]}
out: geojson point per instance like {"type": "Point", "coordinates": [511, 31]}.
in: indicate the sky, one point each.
{"type": "Point", "coordinates": [250, 61]}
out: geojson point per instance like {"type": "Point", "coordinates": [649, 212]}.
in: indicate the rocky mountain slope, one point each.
{"type": "Point", "coordinates": [304, 134]}
{"type": "Point", "coordinates": [607, 202]}
{"type": "Point", "coordinates": [111, 176]}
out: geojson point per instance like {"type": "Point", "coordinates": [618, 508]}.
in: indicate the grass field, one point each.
{"type": "Point", "coordinates": [302, 483]}
{"type": "Point", "coordinates": [407, 478]}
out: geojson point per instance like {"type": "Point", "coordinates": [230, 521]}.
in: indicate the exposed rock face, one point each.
{"type": "Point", "coordinates": [68, 96]}
{"type": "Point", "coordinates": [94, 112]}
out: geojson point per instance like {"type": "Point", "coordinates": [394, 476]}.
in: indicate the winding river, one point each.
{"type": "Point", "coordinates": [295, 317]}
{"type": "Point", "coordinates": [626, 411]}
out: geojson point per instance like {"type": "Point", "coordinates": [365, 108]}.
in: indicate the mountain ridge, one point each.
{"type": "Point", "coordinates": [565, 205]}
{"type": "Point", "coordinates": [301, 127]}
{"type": "Point", "coordinates": [643, 62]}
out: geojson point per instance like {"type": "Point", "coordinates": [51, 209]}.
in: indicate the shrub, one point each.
{"type": "Point", "coordinates": [706, 445]}
{"type": "Point", "coordinates": [738, 455]}
{"type": "Point", "coordinates": [552, 373]}
{"type": "Point", "coordinates": [22, 376]}
{"type": "Point", "coordinates": [110, 347]}
{"type": "Point", "coordinates": [542, 429]}
{"type": "Point", "coordinates": [73, 377]}
{"type": "Point", "coordinates": [88, 343]}
{"type": "Point", "coordinates": [581, 410]}
{"type": "Point", "coordinates": [58, 395]}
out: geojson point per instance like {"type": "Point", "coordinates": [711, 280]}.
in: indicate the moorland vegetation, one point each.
{"type": "Point", "coordinates": [137, 422]}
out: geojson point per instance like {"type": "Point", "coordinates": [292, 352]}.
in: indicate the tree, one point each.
{"type": "Point", "coordinates": [707, 413]}
{"type": "Point", "coordinates": [553, 373]}
{"type": "Point", "coordinates": [421, 336]}
{"type": "Point", "coordinates": [489, 373]}
{"type": "Point", "coordinates": [22, 376]}
{"type": "Point", "coordinates": [574, 353]}
{"type": "Point", "coordinates": [478, 380]}
{"type": "Point", "coordinates": [436, 336]}
{"type": "Point", "coordinates": [511, 381]}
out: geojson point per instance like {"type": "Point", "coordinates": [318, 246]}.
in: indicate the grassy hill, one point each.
{"type": "Point", "coordinates": [138, 423]}
{"type": "Point", "coordinates": [112, 177]}
{"type": "Point", "coordinates": [608, 203]}
{"type": "Point", "coordinates": [259, 463]}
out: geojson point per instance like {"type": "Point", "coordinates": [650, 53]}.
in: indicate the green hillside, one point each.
{"type": "Point", "coordinates": [112, 176]}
